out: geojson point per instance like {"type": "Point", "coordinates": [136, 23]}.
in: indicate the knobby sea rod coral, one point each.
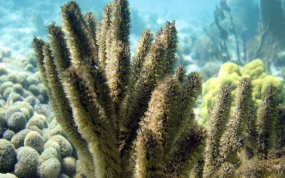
{"type": "Point", "coordinates": [125, 118]}
{"type": "Point", "coordinates": [247, 143]}
{"type": "Point", "coordinates": [135, 118]}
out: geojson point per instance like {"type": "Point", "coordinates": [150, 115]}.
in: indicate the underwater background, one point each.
{"type": "Point", "coordinates": [195, 22]}
{"type": "Point", "coordinates": [20, 21]}
{"type": "Point", "coordinates": [223, 40]}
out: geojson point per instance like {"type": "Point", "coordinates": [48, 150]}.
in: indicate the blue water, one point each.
{"type": "Point", "coordinates": [21, 20]}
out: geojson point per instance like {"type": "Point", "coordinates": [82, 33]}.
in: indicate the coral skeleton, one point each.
{"type": "Point", "coordinates": [135, 118]}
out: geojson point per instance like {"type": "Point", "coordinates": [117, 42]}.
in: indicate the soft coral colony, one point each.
{"type": "Point", "coordinates": [135, 118]}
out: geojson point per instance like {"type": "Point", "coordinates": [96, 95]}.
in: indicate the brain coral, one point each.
{"type": "Point", "coordinates": [230, 74]}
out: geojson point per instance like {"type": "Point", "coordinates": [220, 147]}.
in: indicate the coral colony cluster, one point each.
{"type": "Point", "coordinates": [117, 117]}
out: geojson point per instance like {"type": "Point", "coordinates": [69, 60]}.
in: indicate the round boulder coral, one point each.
{"type": "Point", "coordinates": [7, 156]}
{"type": "Point", "coordinates": [5, 85]}
{"type": "Point", "coordinates": [25, 105]}
{"type": "Point", "coordinates": [31, 100]}
{"type": "Point", "coordinates": [8, 134]}
{"type": "Point", "coordinates": [3, 71]}
{"type": "Point", "coordinates": [65, 147]}
{"type": "Point", "coordinates": [49, 169]}
{"type": "Point", "coordinates": [27, 162]}
{"type": "Point", "coordinates": [35, 140]}
{"type": "Point", "coordinates": [2, 117]}
{"type": "Point", "coordinates": [7, 92]}
{"type": "Point", "coordinates": [18, 139]}
{"type": "Point", "coordinates": [34, 89]}
{"type": "Point", "coordinates": [17, 122]}
{"type": "Point", "coordinates": [47, 154]}
{"type": "Point", "coordinates": [68, 165]}
{"type": "Point", "coordinates": [39, 121]}
{"type": "Point", "coordinates": [21, 78]}
{"type": "Point", "coordinates": [14, 97]}
{"type": "Point", "coordinates": [2, 120]}
{"type": "Point", "coordinates": [18, 88]}
{"type": "Point", "coordinates": [55, 145]}
{"type": "Point", "coordinates": [11, 110]}
{"type": "Point", "coordinates": [49, 165]}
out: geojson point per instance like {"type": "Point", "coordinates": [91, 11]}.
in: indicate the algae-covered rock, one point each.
{"type": "Point", "coordinates": [35, 128]}
{"type": "Point", "coordinates": [11, 110]}
{"type": "Point", "coordinates": [2, 116]}
{"type": "Point", "coordinates": [66, 148]}
{"type": "Point", "coordinates": [32, 80]}
{"type": "Point", "coordinates": [3, 71]}
{"type": "Point", "coordinates": [17, 122]}
{"type": "Point", "coordinates": [8, 134]}
{"type": "Point", "coordinates": [14, 97]}
{"type": "Point", "coordinates": [12, 76]}
{"type": "Point", "coordinates": [49, 165]}
{"type": "Point", "coordinates": [18, 88]}
{"type": "Point", "coordinates": [54, 145]}
{"type": "Point", "coordinates": [47, 154]}
{"type": "Point", "coordinates": [2, 102]}
{"type": "Point", "coordinates": [27, 162]}
{"type": "Point", "coordinates": [55, 131]}
{"type": "Point", "coordinates": [31, 100]}
{"type": "Point", "coordinates": [39, 121]}
{"type": "Point", "coordinates": [49, 169]}
{"type": "Point", "coordinates": [7, 156]}
{"type": "Point", "coordinates": [35, 140]}
{"type": "Point", "coordinates": [5, 85]}
{"type": "Point", "coordinates": [25, 105]}
{"type": "Point", "coordinates": [35, 121]}
{"type": "Point", "coordinates": [43, 92]}
{"type": "Point", "coordinates": [68, 165]}
{"type": "Point", "coordinates": [7, 92]}
{"type": "Point", "coordinates": [34, 89]}
{"type": "Point", "coordinates": [18, 139]}
{"type": "Point", "coordinates": [29, 67]}
{"type": "Point", "coordinates": [2, 120]}
{"type": "Point", "coordinates": [21, 78]}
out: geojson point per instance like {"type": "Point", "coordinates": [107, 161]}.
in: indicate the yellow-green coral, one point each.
{"type": "Point", "coordinates": [230, 74]}
{"type": "Point", "coordinates": [254, 70]}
